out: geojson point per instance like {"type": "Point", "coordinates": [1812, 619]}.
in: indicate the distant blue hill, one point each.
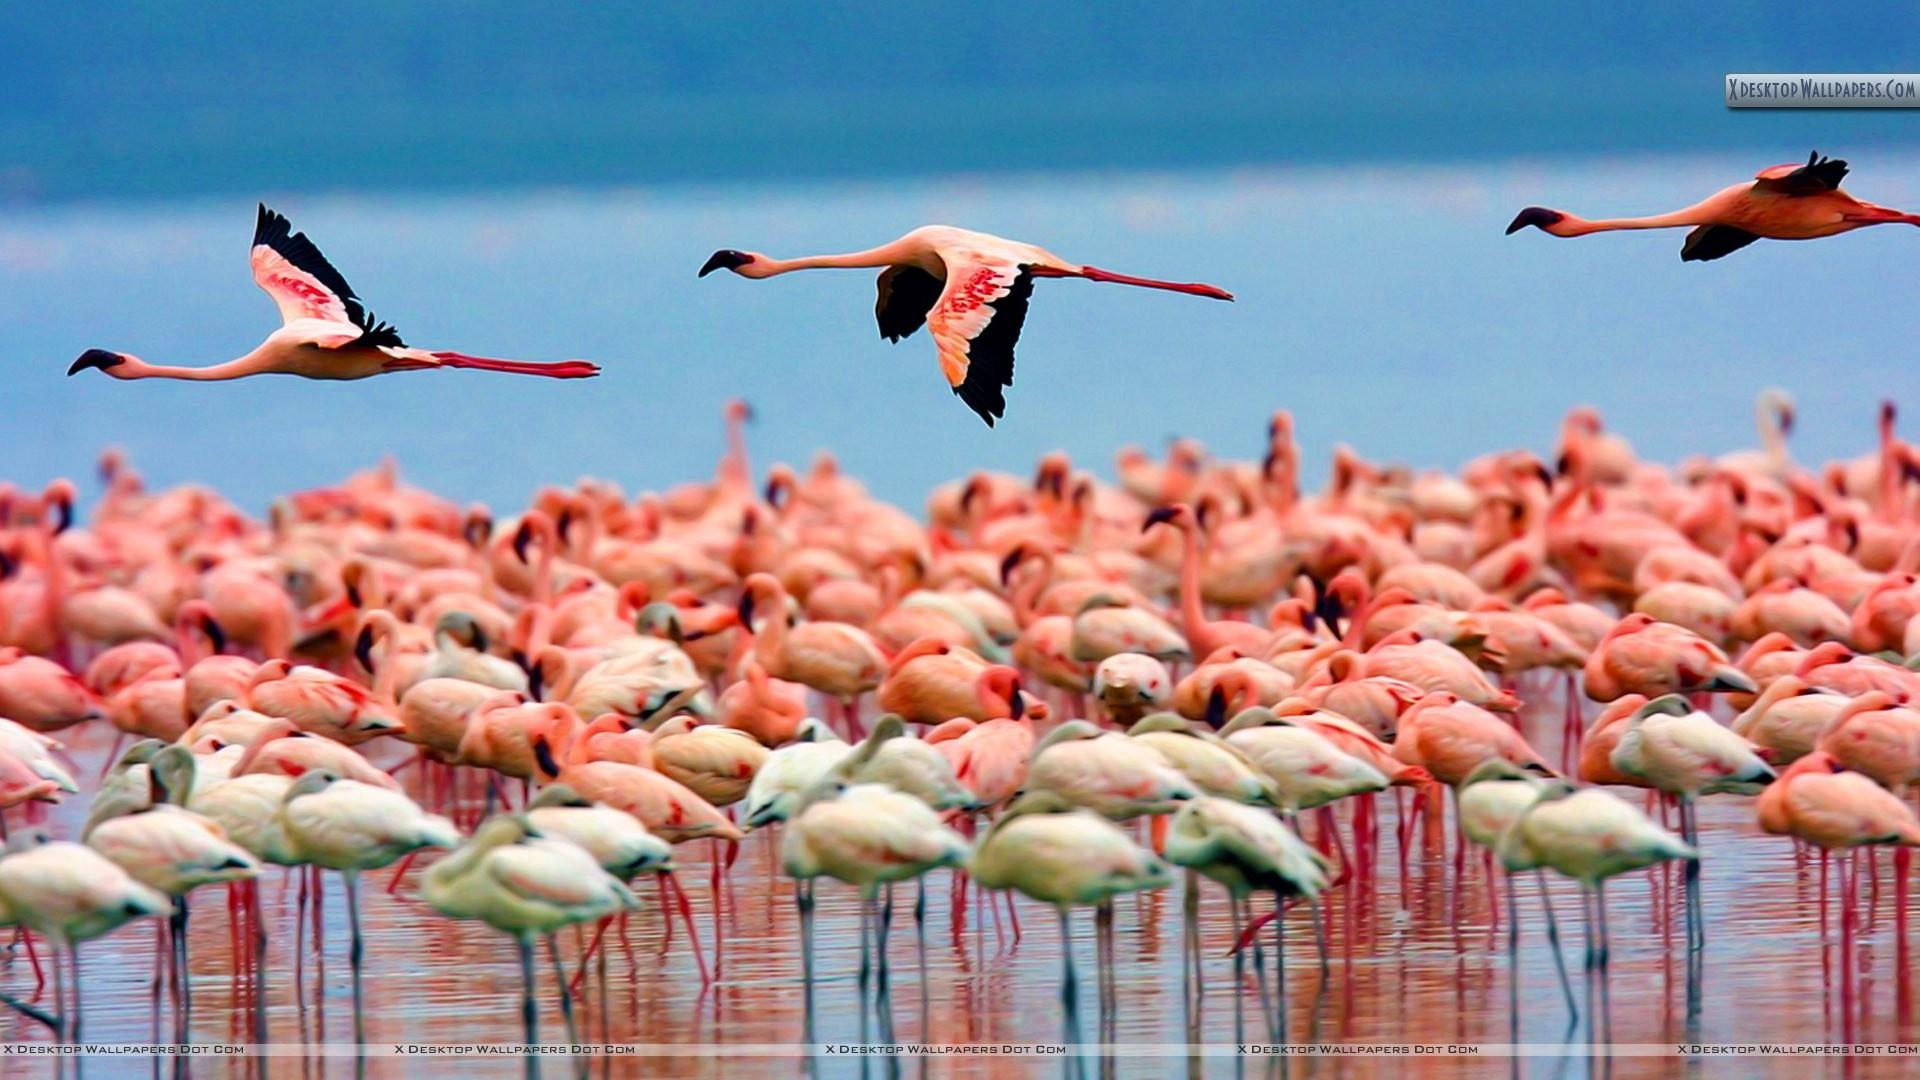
{"type": "Point", "coordinates": [131, 99]}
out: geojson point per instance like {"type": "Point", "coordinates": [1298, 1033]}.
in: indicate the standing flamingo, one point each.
{"type": "Point", "coordinates": [1821, 801]}
{"type": "Point", "coordinates": [327, 331]}
{"type": "Point", "coordinates": [518, 881]}
{"type": "Point", "coordinates": [1685, 753]}
{"type": "Point", "coordinates": [68, 893]}
{"type": "Point", "coordinates": [792, 771]}
{"type": "Point", "coordinates": [1050, 850]}
{"type": "Point", "coordinates": [1784, 202]}
{"type": "Point", "coordinates": [351, 827]}
{"type": "Point", "coordinates": [837, 659]}
{"type": "Point", "coordinates": [867, 835]}
{"type": "Point", "coordinates": [969, 288]}
{"type": "Point", "coordinates": [1248, 849]}
{"type": "Point", "coordinates": [1588, 835]}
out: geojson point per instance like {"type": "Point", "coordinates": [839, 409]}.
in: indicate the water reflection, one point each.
{"type": "Point", "coordinates": [1798, 948]}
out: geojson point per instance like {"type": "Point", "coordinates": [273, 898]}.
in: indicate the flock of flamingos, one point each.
{"type": "Point", "coordinates": [589, 684]}
{"type": "Point", "coordinates": [999, 692]}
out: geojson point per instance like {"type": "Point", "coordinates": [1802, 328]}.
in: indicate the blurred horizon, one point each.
{"type": "Point", "coordinates": [136, 100]}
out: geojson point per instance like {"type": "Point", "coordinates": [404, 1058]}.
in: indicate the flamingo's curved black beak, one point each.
{"type": "Point", "coordinates": [1537, 216]}
{"type": "Point", "coordinates": [216, 636]}
{"type": "Point", "coordinates": [543, 756]}
{"type": "Point", "coordinates": [1159, 515]}
{"type": "Point", "coordinates": [1012, 560]}
{"type": "Point", "coordinates": [725, 259]}
{"type": "Point", "coordinates": [95, 358]}
{"type": "Point", "coordinates": [363, 648]}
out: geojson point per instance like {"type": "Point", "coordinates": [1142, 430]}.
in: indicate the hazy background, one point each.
{"type": "Point", "coordinates": [532, 180]}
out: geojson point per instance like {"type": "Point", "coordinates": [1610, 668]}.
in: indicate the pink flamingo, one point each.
{"type": "Point", "coordinates": [969, 289]}
{"type": "Point", "coordinates": [327, 331]}
{"type": "Point", "coordinates": [1203, 635]}
{"type": "Point", "coordinates": [1784, 202]}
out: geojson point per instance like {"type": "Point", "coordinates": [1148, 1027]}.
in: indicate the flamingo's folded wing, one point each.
{"type": "Point", "coordinates": [1816, 176]}
{"type": "Point", "coordinates": [533, 874]}
{"type": "Point", "coordinates": [304, 285]}
{"type": "Point", "coordinates": [1709, 242]}
{"type": "Point", "coordinates": [975, 325]}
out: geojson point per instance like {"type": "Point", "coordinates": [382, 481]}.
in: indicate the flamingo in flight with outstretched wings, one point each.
{"type": "Point", "coordinates": [969, 288]}
{"type": "Point", "coordinates": [327, 331]}
{"type": "Point", "coordinates": [1785, 202]}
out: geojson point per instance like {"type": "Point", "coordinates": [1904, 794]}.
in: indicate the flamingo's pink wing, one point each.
{"type": "Point", "coordinates": [304, 285]}
{"type": "Point", "coordinates": [976, 324]}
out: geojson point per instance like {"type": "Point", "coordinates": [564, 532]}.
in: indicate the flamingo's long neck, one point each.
{"type": "Point", "coordinates": [386, 676]}
{"type": "Point", "coordinates": [587, 512]}
{"type": "Point", "coordinates": [1026, 595]}
{"type": "Point", "coordinates": [53, 595]}
{"type": "Point", "coordinates": [1570, 225]}
{"type": "Point", "coordinates": [1772, 439]}
{"type": "Point", "coordinates": [185, 641]}
{"type": "Point", "coordinates": [770, 640]}
{"type": "Point", "coordinates": [1889, 468]}
{"type": "Point", "coordinates": [549, 538]}
{"type": "Point", "coordinates": [1191, 611]}
{"type": "Point", "coordinates": [232, 369]}
{"type": "Point", "coordinates": [735, 468]}
{"type": "Point", "coordinates": [884, 255]}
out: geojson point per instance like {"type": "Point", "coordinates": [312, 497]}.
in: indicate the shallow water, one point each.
{"type": "Point", "coordinates": [1381, 303]}
{"type": "Point", "coordinates": [1413, 960]}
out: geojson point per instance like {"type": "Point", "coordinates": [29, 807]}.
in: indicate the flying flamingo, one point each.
{"type": "Point", "coordinates": [969, 288]}
{"type": "Point", "coordinates": [1784, 202]}
{"type": "Point", "coordinates": [327, 331]}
